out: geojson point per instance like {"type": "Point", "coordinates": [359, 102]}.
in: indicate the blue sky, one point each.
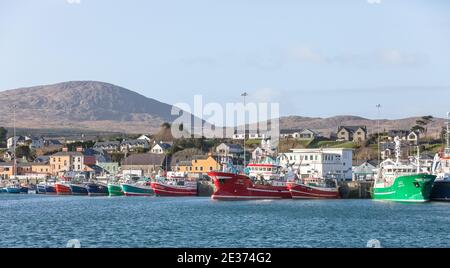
{"type": "Point", "coordinates": [316, 58]}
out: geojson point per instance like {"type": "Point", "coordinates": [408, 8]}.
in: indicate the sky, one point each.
{"type": "Point", "coordinates": [315, 58]}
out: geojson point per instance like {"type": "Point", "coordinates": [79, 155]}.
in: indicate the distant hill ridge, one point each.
{"type": "Point", "coordinates": [100, 106]}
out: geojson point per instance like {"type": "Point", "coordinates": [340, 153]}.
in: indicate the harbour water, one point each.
{"type": "Point", "coordinates": [50, 221]}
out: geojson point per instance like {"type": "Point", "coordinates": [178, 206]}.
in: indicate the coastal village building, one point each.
{"type": "Point", "coordinates": [133, 145]}
{"type": "Point", "coordinates": [264, 150]}
{"type": "Point", "coordinates": [326, 162]}
{"type": "Point", "coordinates": [299, 134]}
{"type": "Point", "coordinates": [352, 133]}
{"type": "Point", "coordinates": [108, 146]}
{"type": "Point", "coordinates": [251, 135]}
{"type": "Point", "coordinates": [65, 161]}
{"type": "Point", "coordinates": [32, 142]}
{"type": "Point", "coordinates": [144, 137]}
{"type": "Point", "coordinates": [160, 148]}
{"type": "Point", "coordinates": [148, 163]}
{"type": "Point", "coordinates": [41, 168]}
{"type": "Point", "coordinates": [364, 172]}
{"type": "Point", "coordinates": [6, 170]}
{"type": "Point", "coordinates": [199, 164]}
{"type": "Point", "coordinates": [229, 149]}
{"type": "Point", "coordinates": [411, 137]}
{"type": "Point", "coordinates": [111, 168]}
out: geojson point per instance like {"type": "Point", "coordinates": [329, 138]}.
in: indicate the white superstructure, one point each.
{"type": "Point", "coordinates": [335, 163]}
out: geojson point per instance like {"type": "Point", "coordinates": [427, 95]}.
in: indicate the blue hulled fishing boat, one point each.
{"type": "Point", "coordinates": [40, 189]}
{"type": "Point", "coordinates": [96, 189]}
{"type": "Point", "coordinates": [441, 167]}
{"type": "Point", "coordinates": [78, 189]}
{"type": "Point", "coordinates": [24, 190]}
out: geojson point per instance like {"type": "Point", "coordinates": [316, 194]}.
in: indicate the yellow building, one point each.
{"type": "Point", "coordinates": [41, 168]}
{"type": "Point", "coordinates": [66, 161]}
{"type": "Point", "coordinates": [200, 164]}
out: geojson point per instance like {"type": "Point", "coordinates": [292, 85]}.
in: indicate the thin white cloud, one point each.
{"type": "Point", "coordinates": [306, 54]}
{"type": "Point", "coordinates": [397, 57]}
{"type": "Point", "coordinates": [77, 2]}
{"type": "Point", "coordinates": [374, 2]}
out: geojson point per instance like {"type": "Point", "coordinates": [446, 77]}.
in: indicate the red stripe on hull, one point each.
{"type": "Point", "coordinates": [231, 186]}
{"type": "Point", "coordinates": [301, 191]}
{"type": "Point", "coordinates": [62, 189]}
{"type": "Point", "coordinates": [133, 194]}
{"type": "Point", "coordinates": [168, 190]}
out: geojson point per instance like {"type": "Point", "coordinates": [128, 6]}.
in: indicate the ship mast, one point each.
{"type": "Point", "coordinates": [448, 132]}
{"type": "Point", "coordinates": [14, 141]}
{"type": "Point", "coordinates": [245, 127]}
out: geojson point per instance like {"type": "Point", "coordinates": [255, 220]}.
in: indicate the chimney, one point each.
{"type": "Point", "coordinates": [80, 149]}
{"type": "Point", "coordinates": [65, 149]}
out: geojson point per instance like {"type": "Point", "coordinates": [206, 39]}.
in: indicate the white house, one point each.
{"type": "Point", "coordinates": [229, 149]}
{"type": "Point", "coordinates": [299, 134]}
{"type": "Point", "coordinates": [144, 137]}
{"type": "Point", "coordinates": [37, 143]}
{"type": "Point", "coordinates": [325, 163]}
{"type": "Point", "coordinates": [160, 148]}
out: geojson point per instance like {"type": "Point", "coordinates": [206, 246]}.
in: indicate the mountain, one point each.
{"type": "Point", "coordinates": [83, 105]}
{"type": "Point", "coordinates": [328, 125]}
{"type": "Point", "coordinates": [91, 105]}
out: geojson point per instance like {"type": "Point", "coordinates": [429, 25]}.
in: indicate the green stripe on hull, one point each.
{"type": "Point", "coordinates": [114, 190]}
{"type": "Point", "coordinates": [411, 188]}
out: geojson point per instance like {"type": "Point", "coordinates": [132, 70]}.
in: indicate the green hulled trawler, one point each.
{"type": "Point", "coordinates": [402, 181]}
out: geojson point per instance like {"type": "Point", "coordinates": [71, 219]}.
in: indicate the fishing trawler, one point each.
{"type": "Point", "coordinates": [137, 186]}
{"type": "Point", "coordinates": [313, 188]}
{"type": "Point", "coordinates": [174, 184]}
{"type": "Point", "coordinates": [441, 168]}
{"type": "Point", "coordinates": [402, 180]}
{"type": "Point", "coordinates": [231, 184]}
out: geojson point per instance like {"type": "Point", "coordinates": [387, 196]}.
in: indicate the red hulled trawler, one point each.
{"type": "Point", "coordinates": [174, 184]}
{"type": "Point", "coordinates": [232, 185]}
{"type": "Point", "coordinates": [313, 188]}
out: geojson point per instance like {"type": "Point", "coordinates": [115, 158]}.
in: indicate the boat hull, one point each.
{"type": "Point", "coordinates": [12, 190]}
{"type": "Point", "coordinates": [95, 189]}
{"type": "Point", "coordinates": [40, 189]}
{"type": "Point", "coordinates": [78, 189]}
{"type": "Point", "coordinates": [62, 189]}
{"type": "Point", "coordinates": [136, 190]}
{"type": "Point", "coordinates": [302, 191]}
{"type": "Point", "coordinates": [162, 189]}
{"type": "Point", "coordinates": [24, 190]}
{"type": "Point", "coordinates": [115, 190]}
{"type": "Point", "coordinates": [229, 186]}
{"type": "Point", "coordinates": [49, 189]}
{"type": "Point", "coordinates": [441, 190]}
{"type": "Point", "coordinates": [411, 188]}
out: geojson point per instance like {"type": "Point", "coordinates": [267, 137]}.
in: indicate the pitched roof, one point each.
{"type": "Point", "coordinates": [144, 159]}
{"type": "Point", "coordinates": [134, 142]}
{"type": "Point", "coordinates": [163, 145]}
{"type": "Point", "coordinates": [67, 154]}
{"type": "Point", "coordinates": [352, 129]}
{"type": "Point", "coordinates": [106, 143]}
{"type": "Point", "coordinates": [42, 159]}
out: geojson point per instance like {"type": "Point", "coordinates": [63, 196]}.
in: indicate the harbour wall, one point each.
{"type": "Point", "coordinates": [355, 189]}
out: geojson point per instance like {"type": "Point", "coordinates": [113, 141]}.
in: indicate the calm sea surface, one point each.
{"type": "Point", "coordinates": [50, 221]}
